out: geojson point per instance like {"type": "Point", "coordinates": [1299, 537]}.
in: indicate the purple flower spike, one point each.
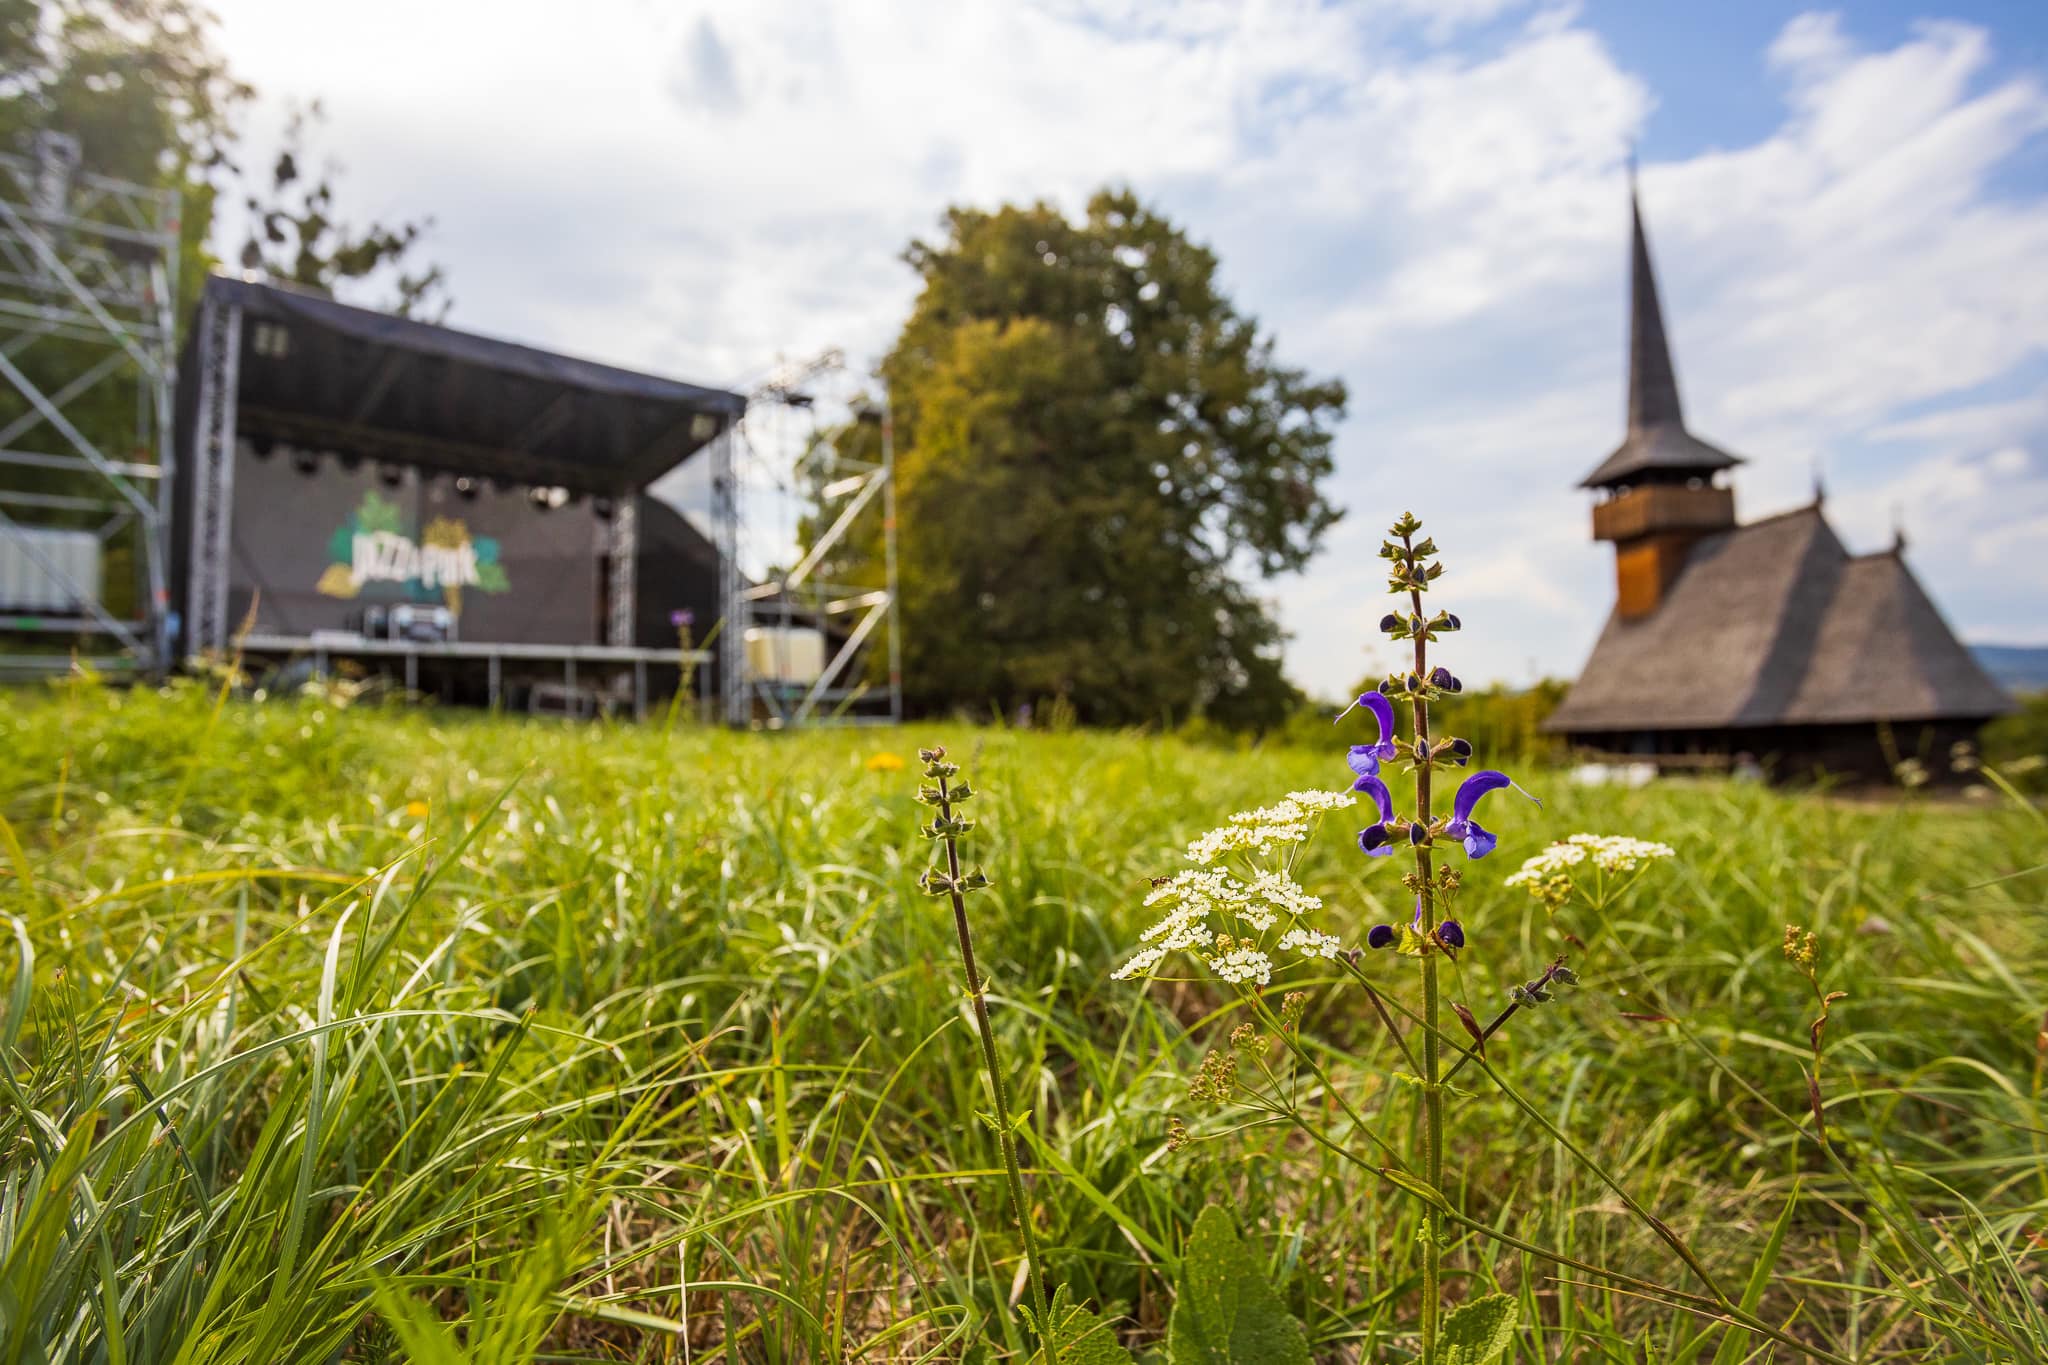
{"type": "Point", "coordinates": [1451, 934]}
{"type": "Point", "coordinates": [1478, 840]}
{"type": "Point", "coordinates": [1365, 759]}
{"type": "Point", "coordinates": [1374, 841]}
{"type": "Point", "coordinates": [1442, 679]}
{"type": "Point", "coordinates": [1380, 936]}
{"type": "Point", "coordinates": [1416, 923]}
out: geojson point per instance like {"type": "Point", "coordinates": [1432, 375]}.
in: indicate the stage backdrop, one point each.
{"type": "Point", "coordinates": [315, 549]}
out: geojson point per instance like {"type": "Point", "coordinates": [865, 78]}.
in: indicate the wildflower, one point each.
{"type": "Point", "coordinates": [1442, 680]}
{"type": "Point", "coordinates": [417, 810]}
{"type": "Point", "coordinates": [1243, 964]}
{"type": "Point", "coordinates": [1377, 840]}
{"type": "Point", "coordinates": [1609, 852]}
{"type": "Point", "coordinates": [1256, 832]}
{"type": "Point", "coordinates": [1385, 935]}
{"type": "Point", "coordinates": [1451, 934]}
{"type": "Point", "coordinates": [1284, 893]}
{"type": "Point", "coordinates": [1478, 840]}
{"type": "Point", "coordinates": [1291, 1006]}
{"type": "Point", "coordinates": [885, 762]}
{"type": "Point", "coordinates": [1365, 759]}
{"type": "Point", "coordinates": [1216, 1082]}
{"type": "Point", "coordinates": [1316, 802]}
{"type": "Point", "coordinates": [1311, 943]}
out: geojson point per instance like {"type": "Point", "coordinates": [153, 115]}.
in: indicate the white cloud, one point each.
{"type": "Point", "coordinates": [1426, 200]}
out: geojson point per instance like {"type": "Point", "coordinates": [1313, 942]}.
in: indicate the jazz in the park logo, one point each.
{"type": "Point", "coordinates": [371, 550]}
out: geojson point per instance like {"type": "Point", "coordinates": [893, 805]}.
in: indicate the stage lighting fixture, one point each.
{"type": "Point", "coordinates": [262, 447]}
{"type": "Point", "coordinates": [465, 487]}
{"type": "Point", "coordinates": [350, 460]}
{"type": "Point", "coordinates": [390, 475]}
{"type": "Point", "coordinates": [603, 508]}
{"type": "Point", "coordinates": [306, 462]}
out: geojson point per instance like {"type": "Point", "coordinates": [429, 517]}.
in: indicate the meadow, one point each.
{"type": "Point", "coordinates": [379, 1033]}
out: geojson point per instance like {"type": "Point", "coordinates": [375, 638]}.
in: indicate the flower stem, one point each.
{"type": "Point", "coordinates": [992, 1063]}
{"type": "Point", "coordinates": [1432, 1047]}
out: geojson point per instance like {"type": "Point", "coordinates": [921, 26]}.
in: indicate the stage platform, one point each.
{"type": "Point", "coordinates": [322, 650]}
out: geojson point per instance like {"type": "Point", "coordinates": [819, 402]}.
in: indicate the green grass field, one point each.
{"type": "Point", "coordinates": [350, 1034]}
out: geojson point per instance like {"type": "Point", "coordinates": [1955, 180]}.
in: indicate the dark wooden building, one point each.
{"type": "Point", "coordinates": [1769, 638]}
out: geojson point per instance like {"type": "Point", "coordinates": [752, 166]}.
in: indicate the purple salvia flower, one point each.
{"type": "Point", "coordinates": [1374, 840]}
{"type": "Point", "coordinates": [1478, 840]}
{"type": "Point", "coordinates": [1380, 936]}
{"type": "Point", "coordinates": [1451, 934]}
{"type": "Point", "coordinates": [1365, 759]}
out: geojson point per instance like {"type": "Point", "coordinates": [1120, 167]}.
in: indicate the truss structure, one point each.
{"type": "Point", "coordinates": [88, 301]}
{"type": "Point", "coordinates": [779, 460]}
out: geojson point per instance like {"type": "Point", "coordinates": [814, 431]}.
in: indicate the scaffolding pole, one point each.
{"type": "Point", "coordinates": [88, 300]}
{"type": "Point", "coordinates": [843, 496]}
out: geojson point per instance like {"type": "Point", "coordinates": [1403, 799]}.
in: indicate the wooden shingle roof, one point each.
{"type": "Point", "coordinates": [1775, 623]}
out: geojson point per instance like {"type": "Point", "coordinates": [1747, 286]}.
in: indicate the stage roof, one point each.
{"type": "Point", "coordinates": [329, 376]}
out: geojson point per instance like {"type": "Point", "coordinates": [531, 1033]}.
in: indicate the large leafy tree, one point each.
{"type": "Point", "coordinates": [1096, 453]}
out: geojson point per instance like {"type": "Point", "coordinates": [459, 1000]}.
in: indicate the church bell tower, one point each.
{"type": "Point", "coordinates": [1661, 490]}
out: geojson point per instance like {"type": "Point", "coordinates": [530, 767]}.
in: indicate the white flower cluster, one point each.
{"type": "Point", "coordinates": [1243, 964]}
{"type": "Point", "coordinates": [1311, 942]}
{"type": "Point", "coordinates": [1316, 802]}
{"type": "Point", "coordinates": [1284, 893]}
{"type": "Point", "coordinates": [1608, 852]}
{"type": "Point", "coordinates": [1205, 907]}
{"type": "Point", "coordinates": [1259, 832]}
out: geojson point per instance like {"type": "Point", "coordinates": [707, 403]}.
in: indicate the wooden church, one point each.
{"type": "Point", "coordinates": [1766, 641]}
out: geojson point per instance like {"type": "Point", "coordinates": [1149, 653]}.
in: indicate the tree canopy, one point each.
{"type": "Point", "coordinates": [1097, 453]}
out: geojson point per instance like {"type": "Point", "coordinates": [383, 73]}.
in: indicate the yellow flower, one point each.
{"type": "Point", "coordinates": [416, 809]}
{"type": "Point", "coordinates": [885, 762]}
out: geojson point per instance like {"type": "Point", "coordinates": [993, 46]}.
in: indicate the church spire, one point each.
{"type": "Point", "coordinates": [1652, 383]}
{"type": "Point", "coordinates": [1656, 447]}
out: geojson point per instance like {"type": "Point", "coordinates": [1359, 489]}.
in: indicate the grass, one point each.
{"type": "Point", "coordinates": [375, 1034]}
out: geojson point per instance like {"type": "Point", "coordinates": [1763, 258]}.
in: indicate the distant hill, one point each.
{"type": "Point", "coordinates": [2018, 668]}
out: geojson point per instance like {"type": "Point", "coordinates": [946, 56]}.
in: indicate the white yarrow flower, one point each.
{"type": "Point", "coordinates": [1243, 964]}
{"type": "Point", "coordinates": [1311, 943]}
{"type": "Point", "coordinates": [1316, 802]}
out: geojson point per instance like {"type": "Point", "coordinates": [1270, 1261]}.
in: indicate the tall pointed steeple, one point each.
{"type": "Point", "coordinates": [1659, 497]}
{"type": "Point", "coordinates": [1652, 384]}
{"type": "Point", "coordinates": [1656, 448]}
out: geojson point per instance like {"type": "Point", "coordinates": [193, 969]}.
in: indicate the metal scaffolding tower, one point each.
{"type": "Point", "coordinates": [88, 300]}
{"type": "Point", "coordinates": [841, 495]}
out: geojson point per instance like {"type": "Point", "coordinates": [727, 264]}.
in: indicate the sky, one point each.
{"type": "Point", "coordinates": [1848, 210]}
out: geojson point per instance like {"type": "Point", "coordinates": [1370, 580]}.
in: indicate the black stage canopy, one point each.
{"type": "Point", "coordinates": [324, 375]}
